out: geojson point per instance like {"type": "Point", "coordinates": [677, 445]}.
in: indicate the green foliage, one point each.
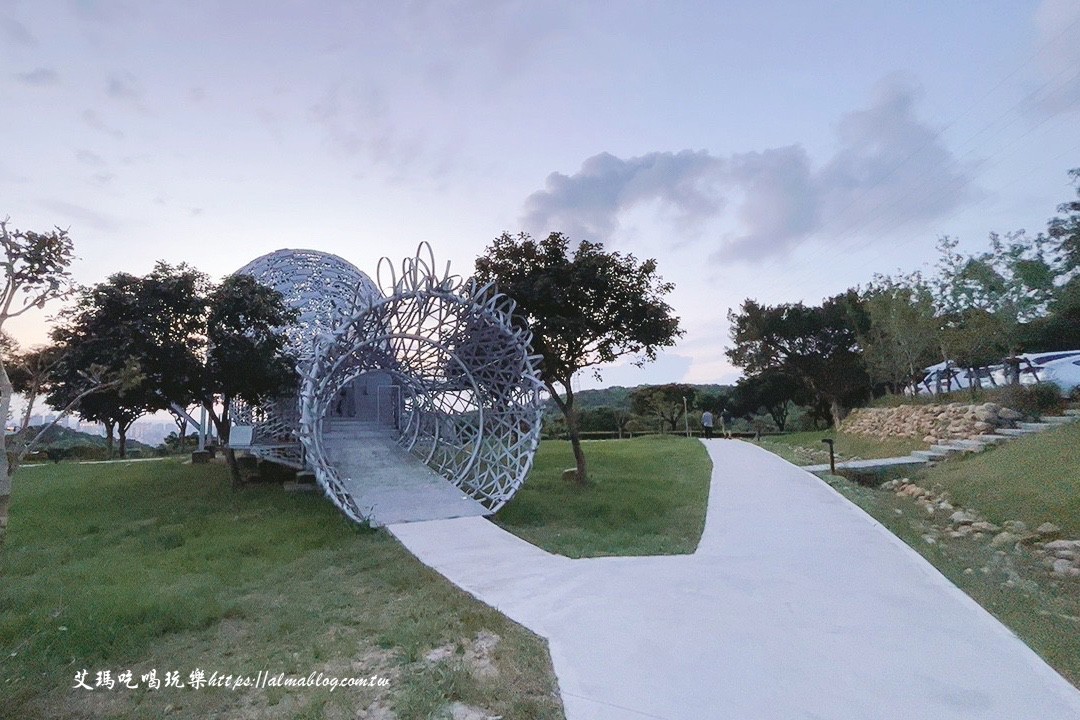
{"type": "Point", "coordinates": [1032, 400]}
{"type": "Point", "coordinates": [666, 403]}
{"type": "Point", "coordinates": [818, 346]}
{"type": "Point", "coordinates": [902, 337]}
{"type": "Point", "coordinates": [584, 308]}
{"type": "Point", "coordinates": [647, 497]}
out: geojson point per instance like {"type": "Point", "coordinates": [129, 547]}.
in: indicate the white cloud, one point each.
{"type": "Point", "coordinates": [776, 196]}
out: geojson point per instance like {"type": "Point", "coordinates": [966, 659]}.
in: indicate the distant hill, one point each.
{"type": "Point", "coordinates": [618, 396]}
{"type": "Point", "coordinates": [65, 438]}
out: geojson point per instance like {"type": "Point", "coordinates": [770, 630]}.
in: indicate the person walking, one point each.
{"type": "Point", "coordinates": [725, 423]}
{"type": "Point", "coordinates": [707, 423]}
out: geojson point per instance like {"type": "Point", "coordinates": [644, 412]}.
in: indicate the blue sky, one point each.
{"type": "Point", "coordinates": [777, 150]}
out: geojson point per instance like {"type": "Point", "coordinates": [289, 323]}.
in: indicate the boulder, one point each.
{"type": "Point", "coordinates": [1004, 538]}
{"type": "Point", "coordinates": [1048, 529]}
{"type": "Point", "coordinates": [962, 517]}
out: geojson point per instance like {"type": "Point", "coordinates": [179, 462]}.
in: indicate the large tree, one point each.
{"type": "Point", "coordinates": [35, 267]}
{"type": "Point", "coordinates": [903, 336]}
{"type": "Point", "coordinates": [817, 345]}
{"type": "Point", "coordinates": [667, 403]}
{"type": "Point", "coordinates": [246, 359]}
{"type": "Point", "coordinates": [585, 307]}
{"type": "Point", "coordinates": [771, 391]}
{"type": "Point", "coordinates": [155, 322]}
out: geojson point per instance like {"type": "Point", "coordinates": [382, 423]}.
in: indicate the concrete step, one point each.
{"type": "Point", "coordinates": [952, 448]}
{"type": "Point", "coordinates": [1072, 412]}
{"type": "Point", "coordinates": [930, 454]}
{"type": "Point", "coordinates": [1036, 426]}
{"type": "Point", "coordinates": [972, 445]}
{"type": "Point", "coordinates": [1016, 432]}
{"type": "Point", "coordinates": [1060, 419]}
{"type": "Point", "coordinates": [993, 439]}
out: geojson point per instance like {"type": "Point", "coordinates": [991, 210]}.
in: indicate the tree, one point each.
{"type": "Point", "coordinates": [155, 322]}
{"type": "Point", "coordinates": [772, 391]}
{"type": "Point", "coordinates": [35, 269]}
{"type": "Point", "coordinates": [584, 308]}
{"type": "Point", "coordinates": [1065, 229]}
{"type": "Point", "coordinates": [666, 403]}
{"type": "Point", "coordinates": [818, 346]}
{"type": "Point", "coordinates": [903, 335]}
{"type": "Point", "coordinates": [246, 359]}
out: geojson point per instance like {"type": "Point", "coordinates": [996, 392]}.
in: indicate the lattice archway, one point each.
{"type": "Point", "coordinates": [468, 399]}
{"type": "Point", "coordinates": [470, 390]}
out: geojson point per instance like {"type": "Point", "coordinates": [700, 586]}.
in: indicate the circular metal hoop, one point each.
{"type": "Point", "coordinates": [469, 392]}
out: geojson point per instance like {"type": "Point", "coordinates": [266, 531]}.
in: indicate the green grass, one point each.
{"type": "Point", "coordinates": [846, 446]}
{"type": "Point", "coordinates": [161, 566]}
{"type": "Point", "coordinates": [1012, 584]}
{"type": "Point", "coordinates": [646, 496]}
{"type": "Point", "coordinates": [1035, 479]}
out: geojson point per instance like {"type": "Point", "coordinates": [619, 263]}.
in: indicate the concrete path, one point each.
{"type": "Point", "coordinates": [795, 605]}
{"type": "Point", "coordinates": [390, 482]}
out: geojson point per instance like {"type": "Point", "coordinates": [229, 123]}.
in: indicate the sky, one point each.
{"type": "Point", "coordinates": [780, 151]}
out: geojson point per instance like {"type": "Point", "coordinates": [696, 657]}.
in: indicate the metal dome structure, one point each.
{"type": "Point", "coordinates": [453, 380]}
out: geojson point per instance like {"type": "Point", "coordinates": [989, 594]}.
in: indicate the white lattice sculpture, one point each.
{"type": "Point", "coordinates": [467, 397]}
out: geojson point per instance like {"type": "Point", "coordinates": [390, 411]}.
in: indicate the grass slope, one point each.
{"type": "Point", "coordinates": [646, 496]}
{"type": "Point", "coordinates": [159, 566]}
{"type": "Point", "coordinates": [1035, 479]}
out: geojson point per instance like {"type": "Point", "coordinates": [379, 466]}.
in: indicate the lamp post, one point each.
{"type": "Point", "coordinates": [832, 457]}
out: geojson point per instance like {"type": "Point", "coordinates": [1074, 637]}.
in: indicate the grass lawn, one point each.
{"type": "Point", "coordinates": [806, 448]}
{"type": "Point", "coordinates": [1011, 583]}
{"type": "Point", "coordinates": [1035, 479]}
{"type": "Point", "coordinates": [646, 496]}
{"type": "Point", "coordinates": [159, 566]}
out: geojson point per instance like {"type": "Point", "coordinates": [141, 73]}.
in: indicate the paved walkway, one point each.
{"type": "Point", "coordinates": [795, 605]}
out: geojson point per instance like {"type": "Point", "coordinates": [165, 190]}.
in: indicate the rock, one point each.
{"type": "Point", "coordinates": [930, 439]}
{"type": "Point", "coordinates": [945, 506]}
{"type": "Point", "coordinates": [1062, 567]}
{"type": "Point", "coordinates": [929, 539]}
{"type": "Point", "coordinates": [1009, 414]}
{"type": "Point", "coordinates": [461, 711]}
{"type": "Point", "coordinates": [1055, 545]}
{"type": "Point", "coordinates": [962, 517]}
{"type": "Point", "coordinates": [569, 475]}
{"type": "Point", "coordinates": [1016, 526]}
{"type": "Point", "coordinates": [984, 526]}
{"type": "Point", "coordinates": [1004, 538]}
{"type": "Point", "coordinates": [961, 532]}
{"type": "Point", "coordinates": [1048, 529]}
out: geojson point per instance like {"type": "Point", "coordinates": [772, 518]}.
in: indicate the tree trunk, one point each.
{"type": "Point", "coordinates": [579, 456]}
{"type": "Point", "coordinates": [224, 426]}
{"type": "Point", "coordinates": [122, 432]}
{"type": "Point", "coordinates": [572, 430]}
{"type": "Point", "coordinates": [837, 412]}
{"type": "Point", "coordinates": [5, 470]}
{"type": "Point", "coordinates": [110, 426]}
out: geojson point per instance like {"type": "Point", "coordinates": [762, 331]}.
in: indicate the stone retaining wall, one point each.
{"type": "Point", "coordinates": [930, 423]}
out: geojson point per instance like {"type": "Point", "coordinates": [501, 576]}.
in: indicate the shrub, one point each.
{"type": "Point", "coordinates": [1034, 400]}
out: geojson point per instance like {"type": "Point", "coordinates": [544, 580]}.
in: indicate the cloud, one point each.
{"type": "Point", "coordinates": [92, 119]}
{"type": "Point", "coordinates": [39, 77]}
{"type": "Point", "coordinates": [777, 198]}
{"type": "Point", "coordinates": [16, 32]}
{"type": "Point", "coordinates": [1058, 26]}
{"type": "Point", "coordinates": [123, 86]}
{"type": "Point", "coordinates": [81, 215]}
{"type": "Point", "coordinates": [588, 203]}
{"type": "Point", "coordinates": [90, 159]}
